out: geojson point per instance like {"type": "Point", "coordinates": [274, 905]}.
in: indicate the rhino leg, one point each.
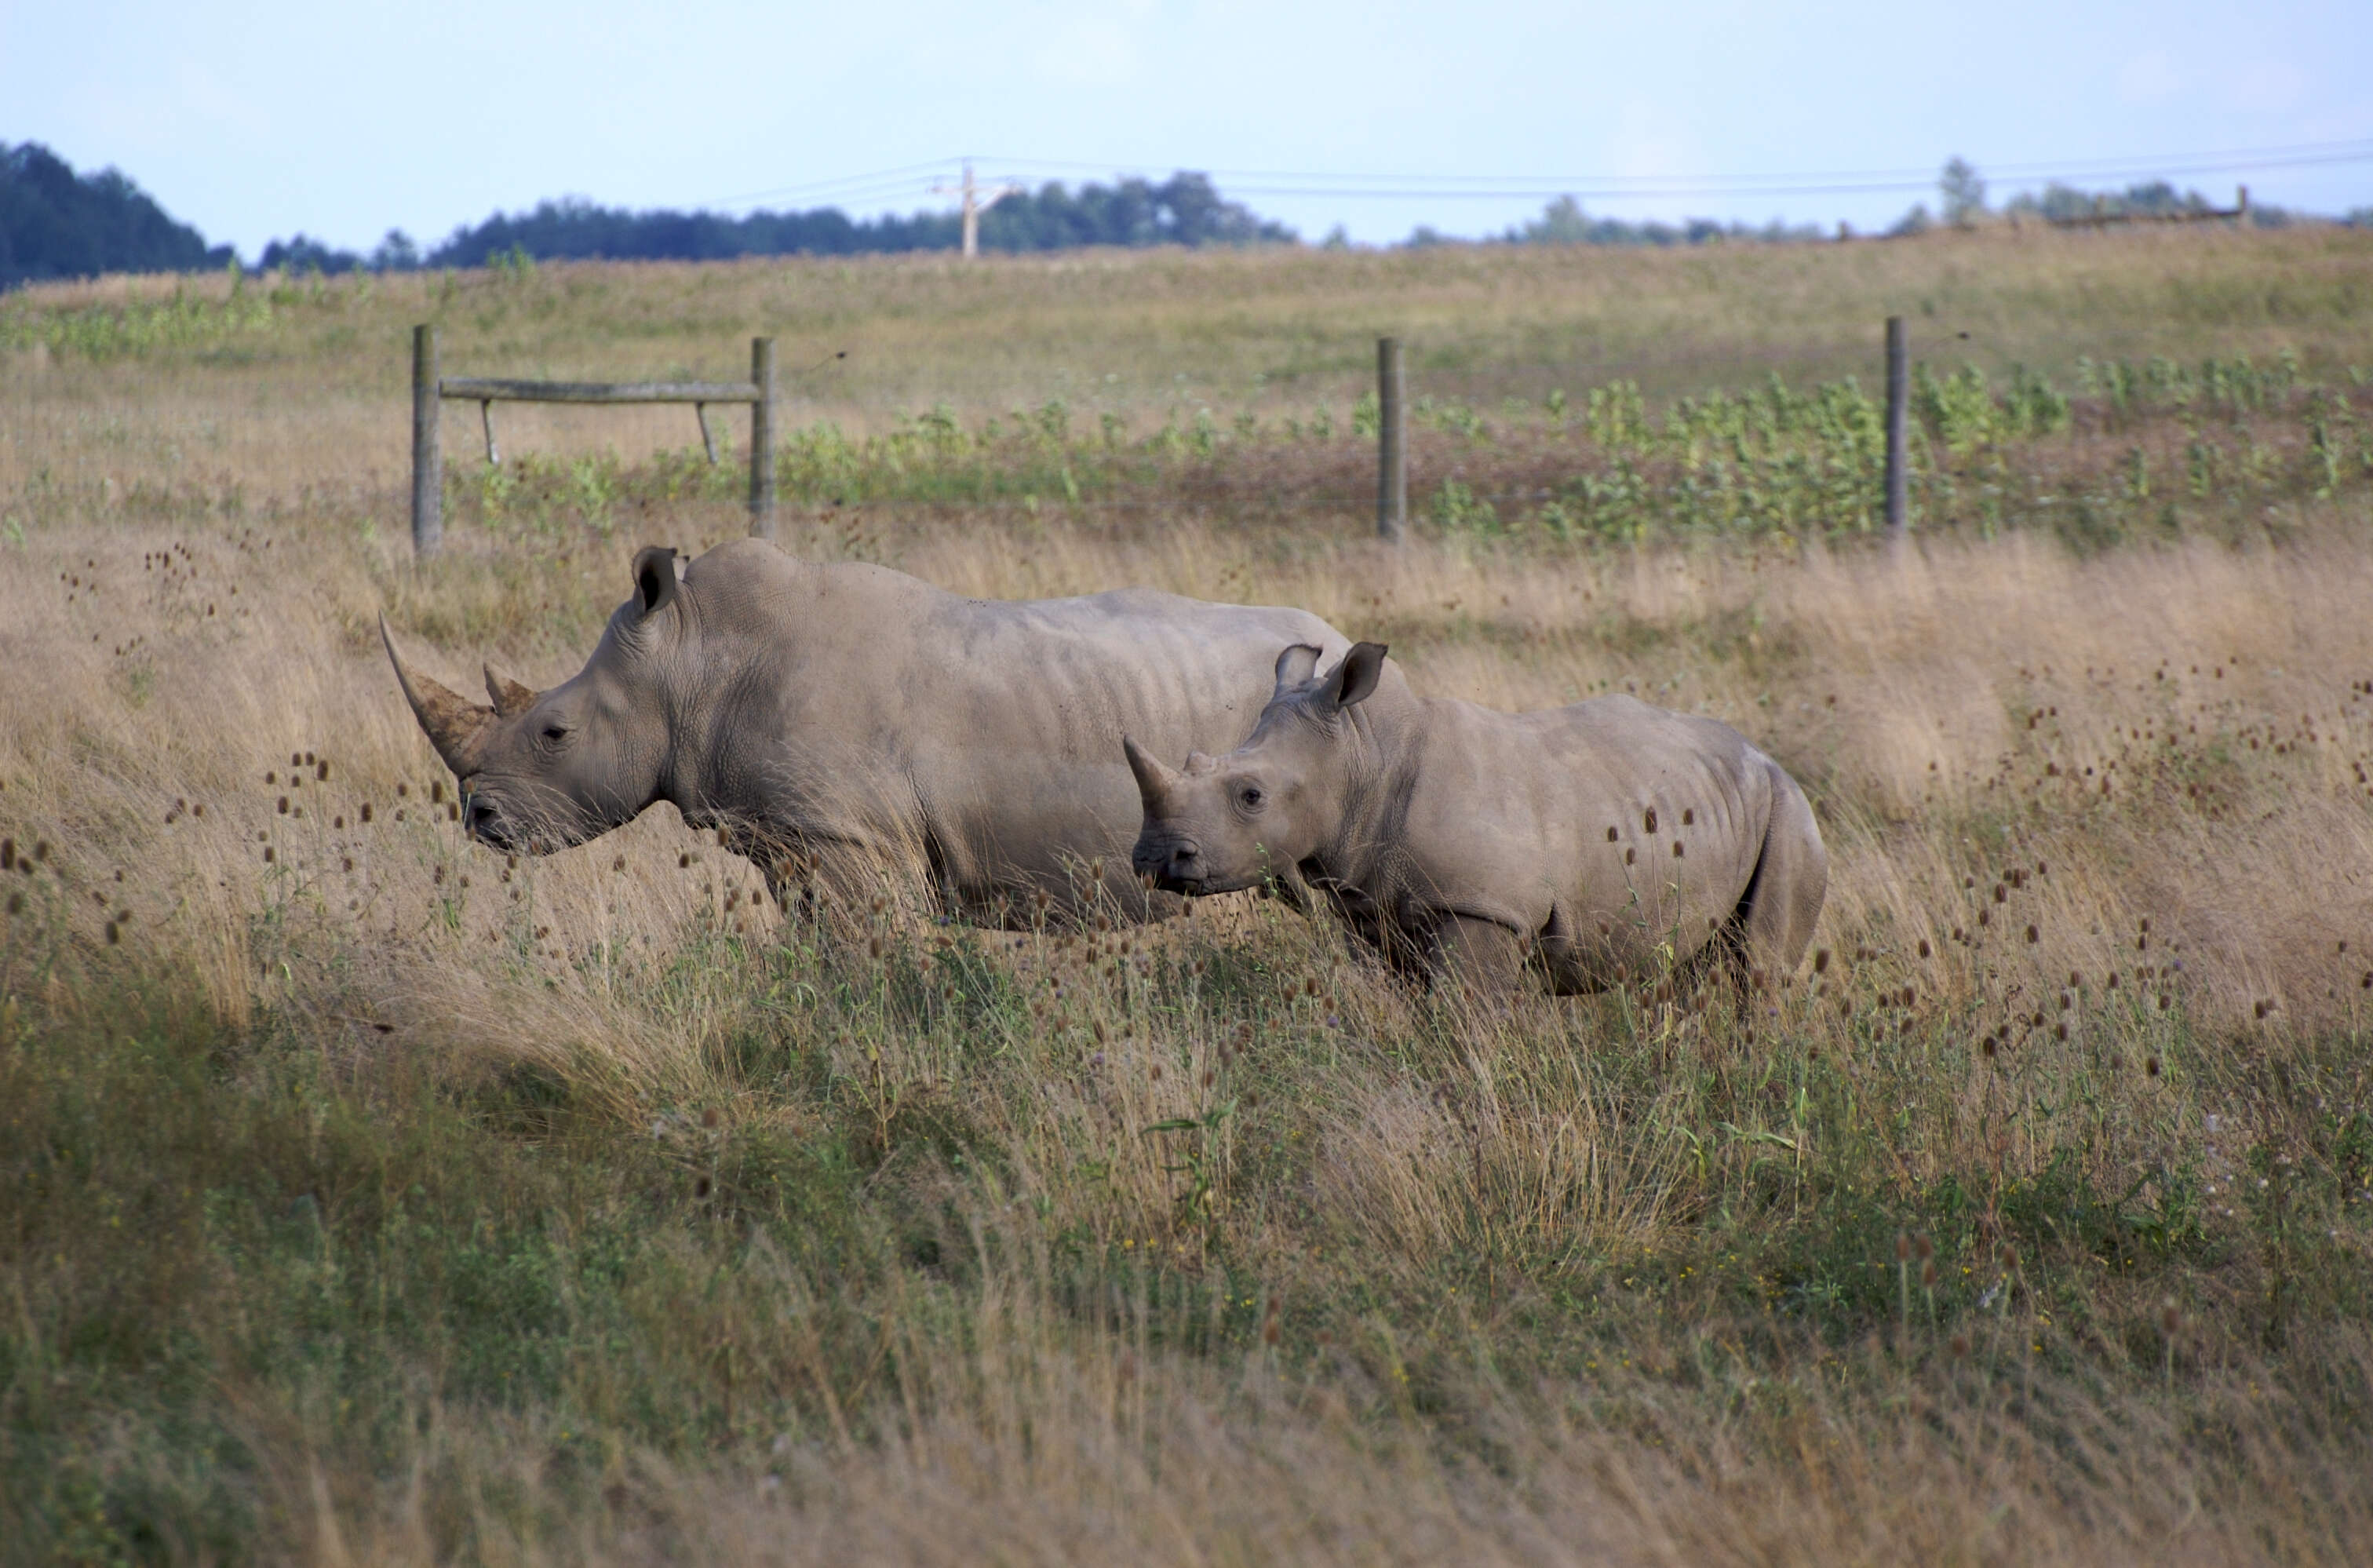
{"type": "Point", "coordinates": [1792, 877]}
{"type": "Point", "coordinates": [1481, 957]}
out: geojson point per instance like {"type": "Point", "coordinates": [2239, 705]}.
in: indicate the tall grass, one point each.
{"type": "Point", "coordinates": [374, 1197]}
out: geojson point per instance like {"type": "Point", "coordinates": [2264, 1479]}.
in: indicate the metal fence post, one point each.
{"type": "Point", "coordinates": [1392, 445]}
{"type": "Point", "coordinates": [428, 462]}
{"type": "Point", "coordinates": [1899, 398]}
{"type": "Point", "coordinates": [761, 439]}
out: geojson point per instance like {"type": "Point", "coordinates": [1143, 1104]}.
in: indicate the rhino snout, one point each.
{"type": "Point", "coordinates": [484, 819]}
{"type": "Point", "coordinates": [1176, 867]}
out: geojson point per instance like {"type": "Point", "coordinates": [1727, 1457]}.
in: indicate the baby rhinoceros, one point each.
{"type": "Point", "coordinates": [1593, 843]}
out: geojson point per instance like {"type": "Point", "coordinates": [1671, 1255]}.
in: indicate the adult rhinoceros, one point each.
{"type": "Point", "coordinates": [1591, 842]}
{"type": "Point", "coordinates": [831, 719]}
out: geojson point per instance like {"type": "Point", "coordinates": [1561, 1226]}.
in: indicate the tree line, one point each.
{"type": "Point", "coordinates": [1961, 203]}
{"type": "Point", "coordinates": [55, 222]}
{"type": "Point", "coordinates": [1185, 210]}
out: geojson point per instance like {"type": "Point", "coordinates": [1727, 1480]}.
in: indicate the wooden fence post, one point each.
{"type": "Point", "coordinates": [427, 463]}
{"type": "Point", "coordinates": [1898, 399]}
{"type": "Point", "coordinates": [761, 439]}
{"type": "Point", "coordinates": [1392, 445]}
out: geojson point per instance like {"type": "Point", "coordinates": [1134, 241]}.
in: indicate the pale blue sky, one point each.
{"type": "Point", "coordinates": [253, 121]}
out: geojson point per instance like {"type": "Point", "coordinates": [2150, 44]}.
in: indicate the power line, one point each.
{"type": "Point", "coordinates": [905, 174]}
{"type": "Point", "coordinates": [913, 179]}
{"type": "Point", "coordinates": [2101, 167]}
{"type": "Point", "coordinates": [1457, 188]}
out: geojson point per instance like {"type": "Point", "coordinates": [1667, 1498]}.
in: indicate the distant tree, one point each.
{"type": "Point", "coordinates": [55, 222]}
{"type": "Point", "coordinates": [1339, 238]}
{"type": "Point", "coordinates": [1963, 194]}
{"type": "Point", "coordinates": [298, 254]}
{"type": "Point", "coordinates": [396, 252]}
{"type": "Point", "coordinates": [1185, 210]}
{"type": "Point", "coordinates": [2158, 197]}
{"type": "Point", "coordinates": [1916, 221]}
{"type": "Point", "coordinates": [1563, 222]}
{"type": "Point", "coordinates": [2065, 201]}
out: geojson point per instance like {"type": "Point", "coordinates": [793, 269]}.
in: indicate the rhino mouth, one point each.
{"type": "Point", "coordinates": [1181, 866]}
{"type": "Point", "coordinates": [485, 818]}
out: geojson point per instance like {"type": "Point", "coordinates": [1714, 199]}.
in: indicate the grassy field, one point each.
{"type": "Point", "coordinates": [372, 1198]}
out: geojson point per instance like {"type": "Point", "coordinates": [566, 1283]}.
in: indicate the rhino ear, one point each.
{"type": "Point", "coordinates": [1356, 677]}
{"type": "Point", "coordinates": [1295, 665]}
{"type": "Point", "coordinates": [654, 579]}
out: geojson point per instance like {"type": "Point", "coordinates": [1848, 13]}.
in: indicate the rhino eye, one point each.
{"type": "Point", "coordinates": [556, 733]}
{"type": "Point", "coordinates": [1250, 796]}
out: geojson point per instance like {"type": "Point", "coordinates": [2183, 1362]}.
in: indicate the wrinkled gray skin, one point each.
{"type": "Point", "coordinates": [1475, 843]}
{"type": "Point", "coordinates": [836, 720]}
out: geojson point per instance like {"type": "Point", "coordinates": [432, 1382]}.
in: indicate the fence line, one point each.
{"type": "Point", "coordinates": [1392, 432]}
{"type": "Point", "coordinates": [430, 390]}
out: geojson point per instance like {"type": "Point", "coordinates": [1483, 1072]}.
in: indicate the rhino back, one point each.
{"type": "Point", "coordinates": [1018, 753]}
{"type": "Point", "coordinates": [1543, 820]}
{"type": "Point", "coordinates": [854, 702]}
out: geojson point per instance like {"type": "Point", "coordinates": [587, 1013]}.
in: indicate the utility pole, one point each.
{"type": "Point", "coordinates": [976, 201]}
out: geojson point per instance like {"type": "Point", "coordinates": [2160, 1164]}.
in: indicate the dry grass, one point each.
{"type": "Point", "coordinates": [651, 1224]}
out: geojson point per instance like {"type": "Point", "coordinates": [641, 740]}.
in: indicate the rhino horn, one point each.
{"type": "Point", "coordinates": [1200, 762]}
{"type": "Point", "coordinates": [1152, 779]}
{"type": "Point", "coordinates": [455, 725]}
{"type": "Point", "coordinates": [511, 698]}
